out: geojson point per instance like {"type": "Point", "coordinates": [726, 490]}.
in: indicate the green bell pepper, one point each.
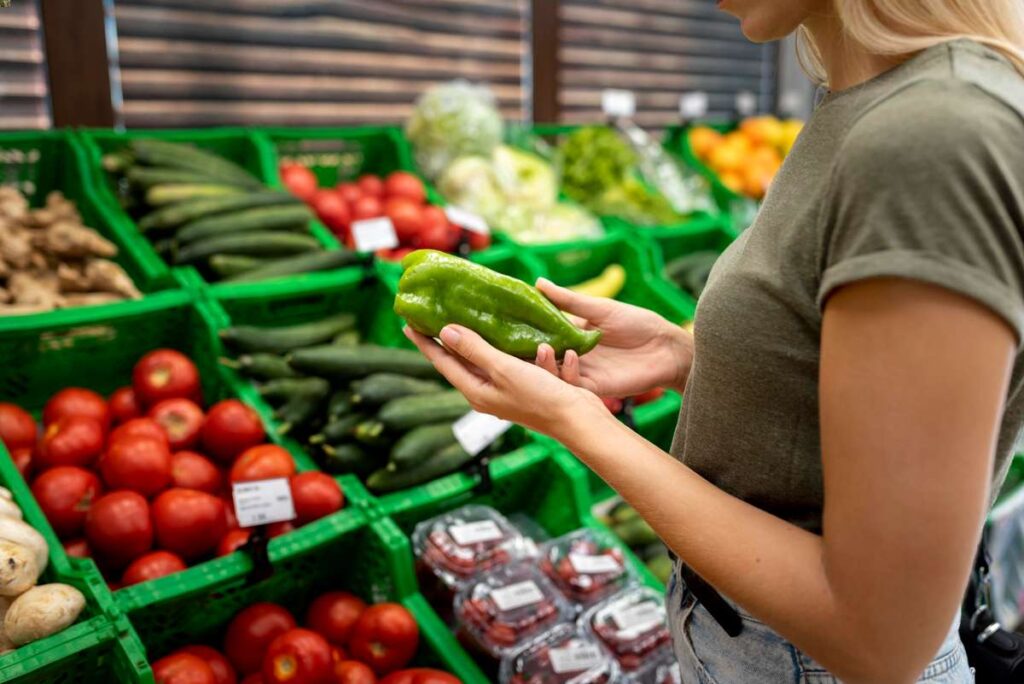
{"type": "Point", "coordinates": [437, 289]}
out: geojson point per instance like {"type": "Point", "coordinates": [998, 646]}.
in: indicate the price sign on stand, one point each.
{"type": "Point", "coordinates": [373, 234]}
{"type": "Point", "coordinates": [618, 103]}
{"type": "Point", "coordinates": [263, 502]}
{"type": "Point", "coordinates": [476, 431]}
{"type": "Point", "coordinates": [693, 105]}
{"type": "Point", "coordinates": [467, 219]}
{"type": "Point", "coordinates": [746, 103]}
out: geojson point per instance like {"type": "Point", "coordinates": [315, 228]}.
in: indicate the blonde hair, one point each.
{"type": "Point", "coordinates": [901, 28]}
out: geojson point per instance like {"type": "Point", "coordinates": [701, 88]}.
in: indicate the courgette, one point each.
{"type": "Point", "coordinates": [286, 388]}
{"type": "Point", "coordinates": [258, 243]}
{"type": "Point", "coordinates": [371, 433]}
{"type": "Point", "coordinates": [348, 458]}
{"type": "Point", "coordinates": [340, 404]}
{"type": "Point", "coordinates": [409, 412]}
{"type": "Point", "coordinates": [340, 429]}
{"type": "Point", "coordinates": [180, 213]}
{"type": "Point", "coordinates": [304, 263]}
{"type": "Point", "coordinates": [166, 193]}
{"type": "Point", "coordinates": [250, 338]}
{"type": "Point", "coordinates": [286, 217]}
{"type": "Point", "coordinates": [301, 406]}
{"type": "Point", "coordinates": [116, 162]}
{"type": "Point", "coordinates": [421, 443]}
{"type": "Point", "coordinates": [383, 387]}
{"type": "Point", "coordinates": [331, 361]}
{"type": "Point", "coordinates": [443, 462]}
{"type": "Point", "coordinates": [227, 265]}
{"type": "Point", "coordinates": [146, 176]}
{"type": "Point", "coordinates": [261, 366]}
{"type": "Point", "coordinates": [349, 338]}
{"type": "Point", "coordinates": [185, 156]}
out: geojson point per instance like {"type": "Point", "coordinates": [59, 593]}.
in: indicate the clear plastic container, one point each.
{"type": "Point", "coordinates": [504, 610]}
{"type": "Point", "coordinates": [631, 625]}
{"type": "Point", "coordinates": [586, 567]}
{"type": "Point", "coordinates": [562, 655]}
{"type": "Point", "coordinates": [662, 668]}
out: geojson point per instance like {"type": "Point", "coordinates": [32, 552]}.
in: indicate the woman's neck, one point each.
{"type": "Point", "coordinates": [846, 62]}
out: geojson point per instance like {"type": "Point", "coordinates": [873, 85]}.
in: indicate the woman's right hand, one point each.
{"type": "Point", "coordinates": [639, 350]}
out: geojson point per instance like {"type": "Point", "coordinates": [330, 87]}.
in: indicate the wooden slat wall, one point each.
{"type": "Point", "coordinates": [659, 49]}
{"type": "Point", "coordinates": [23, 88]}
{"type": "Point", "coordinates": [292, 62]}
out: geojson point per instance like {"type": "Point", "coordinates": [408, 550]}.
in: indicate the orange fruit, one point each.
{"type": "Point", "coordinates": [703, 140]}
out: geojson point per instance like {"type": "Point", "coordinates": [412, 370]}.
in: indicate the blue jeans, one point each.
{"type": "Point", "coordinates": [707, 655]}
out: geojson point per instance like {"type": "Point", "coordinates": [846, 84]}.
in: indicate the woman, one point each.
{"type": "Point", "coordinates": [854, 387]}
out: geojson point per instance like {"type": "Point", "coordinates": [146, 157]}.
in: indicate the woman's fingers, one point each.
{"type": "Point", "coordinates": [474, 349]}
{"type": "Point", "coordinates": [573, 374]}
{"type": "Point", "coordinates": [546, 359]}
{"type": "Point", "coordinates": [449, 366]}
{"type": "Point", "coordinates": [584, 306]}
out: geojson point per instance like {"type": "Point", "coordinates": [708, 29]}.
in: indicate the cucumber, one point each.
{"type": "Point", "coordinates": [116, 162]}
{"type": "Point", "coordinates": [409, 412]}
{"type": "Point", "coordinates": [147, 176]}
{"type": "Point", "coordinates": [622, 512]}
{"type": "Point", "coordinates": [304, 263]}
{"type": "Point", "coordinates": [331, 361]}
{"type": "Point", "coordinates": [339, 429]}
{"type": "Point", "coordinates": [257, 243]}
{"type": "Point", "coordinates": [301, 406]}
{"type": "Point", "coordinates": [661, 567]}
{"type": "Point", "coordinates": [635, 532]}
{"type": "Point", "coordinates": [286, 217]}
{"type": "Point", "coordinates": [251, 338]}
{"type": "Point", "coordinates": [421, 443]}
{"type": "Point", "coordinates": [371, 433]}
{"type": "Point", "coordinates": [159, 195]}
{"type": "Point", "coordinates": [227, 265]}
{"type": "Point", "coordinates": [382, 387]}
{"type": "Point", "coordinates": [261, 366]}
{"type": "Point", "coordinates": [183, 212]}
{"type": "Point", "coordinates": [286, 388]}
{"type": "Point", "coordinates": [349, 338]}
{"type": "Point", "coordinates": [184, 156]}
{"type": "Point", "coordinates": [348, 458]}
{"type": "Point", "coordinates": [443, 462]}
{"type": "Point", "coordinates": [339, 405]}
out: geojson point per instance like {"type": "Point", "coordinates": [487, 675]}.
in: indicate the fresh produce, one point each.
{"type": "Point", "coordinates": [19, 568]}
{"type": "Point", "coordinates": [65, 494]}
{"type": "Point", "coordinates": [608, 284]}
{"type": "Point", "coordinates": [632, 625]}
{"type": "Point", "coordinates": [385, 637]}
{"type": "Point", "coordinates": [165, 374]}
{"type": "Point", "coordinates": [230, 428]}
{"type": "Point", "coordinates": [152, 565]}
{"type": "Point", "coordinates": [50, 260]}
{"type": "Point", "coordinates": [746, 159]}
{"type": "Point", "coordinates": [123, 405]}
{"type": "Point", "coordinates": [562, 656]}
{"type": "Point", "coordinates": [183, 668]}
{"type": "Point", "coordinates": [76, 402]}
{"type": "Point", "coordinates": [139, 464]}
{"type": "Point", "coordinates": [437, 289]}
{"type": "Point", "coordinates": [118, 527]}
{"type": "Point", "coordinates": [41, 611]}
{"type": "Point", "coordinates": [20, 532]}
{"type": "Point", "coordinates": [298, 655]}
{"type": "Point", "coordinates": [690, 271]}
{"type": "Point", "coordinates": [74, 440]}
{"type": "Point", "coordinates": [334, 615]}
{"type": "Point", "coordinates": [17, 427]}
{"type": "Point", "coordinates": [584, 567]}
{"type": "Point", "coordinates": [634, 532]}
{"type": "Point", "coordinates": [188, 522]}
{"type": "Point", "coordinates": [220, 666]}
{"type": "Point", "coordinates": [250, 633]}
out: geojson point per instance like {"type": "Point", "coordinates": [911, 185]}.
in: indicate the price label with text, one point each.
{"type": "Point", "coordinates": [517, 595]}
{"type": "Point", "coordinates": [263, 501]}
{"type": "Point", "coordinates": [475, 532]}
{"type": "Point", "coordinates": [476, 431]}
{"type": "Point", "coordinates": [639, 617]}
{"type": "Point", "coordinates": [586, 564]}
{"type": "Point", "coordinates": [575, 658]}
{"type": "Point", "coordinates": [467, 219]}
{"type": "Point", "coordinates": [373, 234]}
{"type": "Point", "coordinates": [618, 103]}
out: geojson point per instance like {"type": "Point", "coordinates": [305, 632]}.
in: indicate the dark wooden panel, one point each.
{"type": "Point", "coordinates": [23, 86]}
{"type": "Point", "coordinates": [76, 56]}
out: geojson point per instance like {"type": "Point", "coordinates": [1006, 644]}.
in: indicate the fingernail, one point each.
{"type": "Point", "coordinates": [543, 281]}
{"type": "Point", "coordinates": [450, 336]}
{"type": "Point", "coordinates": [407, 331]}
{"type": "Point", "coordinates": [542, 353]}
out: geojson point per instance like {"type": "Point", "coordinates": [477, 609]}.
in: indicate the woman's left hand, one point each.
{"type": "Point", "coordinates": [503, 385]}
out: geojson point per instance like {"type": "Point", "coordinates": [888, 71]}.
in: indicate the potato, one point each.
{"type": "Point", "coordinates": [42, 611]}
{"type": "Point", "coordinates": [21, 533]}
{"type": "Point", "coordinates": [19, 569]}
{"type": "Point", "coordinates": [9, 509]}
{"type": "Point", "coordinates": [5, 643]}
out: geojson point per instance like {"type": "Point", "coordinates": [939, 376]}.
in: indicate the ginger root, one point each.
{"type": "Point", "coordinates": [69, 240]}
{"type": "Point", "coordinates": [97, 276]}
{"type": "Point", "coordinates": [37, 288]}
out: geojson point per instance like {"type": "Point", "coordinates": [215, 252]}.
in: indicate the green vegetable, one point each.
{"type": "Point", "coordinates": [421, 443]}
{"type": "Point", "coordinates": [261, 366]}
{"type": "Point", "coordinates": [661, 567]}
{"type": "Point", "coordinates": [340, 404]}
{"type": "Point", "coordinates": [691, 271]}
{"type": "Point", "coordinates": [302, 263]}
{"type": "Point", "coordinates": [339, 429]}
{"type": "Point", "coordinates": [445, 461]}
{"type": "Point", "coordinates": [381, 387]}
{"type": "Point", "coordinates": [286, 388]}
{"type": "Point", "coordinates": [371, 433]}
{"type": "Point", "coordinates": [334, 362]}
{"type": "Point", "coordinates": [282, 339]}
{"type": "Point", "coordinates": [437, 289]}
{"type": "Point", "coordinates": [287, 217]}
{"type": "Point", "coordinates": [182, 212]}
{"type": "Point", "coordinates": [349, 338]}
{"type": "Point", "coordinates": [635, 532]}
{"type": "Point", "coordinates": [188, 157]}
{"type": "Point", "coordinates": [148, 176]}
{"type": "Point", "coordinates": [409, 412]}
{"type": "Point", "coordinates": [349, 458]}
{"type": "Point", "coordinates": [179, 192]}
{"type": "Point", "coordinates": [226, 265]}
{"type": "Point", "coordinates": [302, 405]}
{"type": "Point", "coordinates": [257, 243]}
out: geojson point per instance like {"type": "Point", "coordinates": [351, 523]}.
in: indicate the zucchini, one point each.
{"type": "Point", "coordinates": [304, 263]}
{"type": "Point", "coordinates": [251, 338]}
{"type": "Point", "coordinates": [349, 338]}
{"type": "Point", "coordinates": [331, 361]}
{"type": "Point", "coordinates": [412, 411]}
{"type": "Point", "coordinates": [348, 458]}
{"type": "Point", "coordinates": [226, 265]}
{"type": "Point", "coordinates": [159, 195]}
{"type": "Point", "coordinates": [257, 243]}
{"type": "Point", "coordinates": [183, 212]}
{"type": "Point", "coordinates": [286, 388]}
{"type": "Point", "coordinates": [116, 162]}
{"type": "Point", "coordinates": [287, 217]}
{"type": "Point", "coordinates": [443, 462]}
{"type": "Point", "coordinates": [371, 433]}
{"type": "Point", "coordinates": [185, 156]}
{"type": "Point", "coordinates": [421, 443]}
{"type": "Point", "coordinates": [339, 405]}
{"type": "Point", "coordinates": [261, 366]}
{"type": "Point", "coordinates": [301, 406]}
{"type": "Point", "coordinates": [147, 176]}
{"type": "Point", "coordinates": [382, 387]}
{"type": "Point", "coordinates": [340, 429]}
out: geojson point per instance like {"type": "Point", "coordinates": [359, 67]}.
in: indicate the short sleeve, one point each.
{"type": "Point", "coordinates": [929, 186]}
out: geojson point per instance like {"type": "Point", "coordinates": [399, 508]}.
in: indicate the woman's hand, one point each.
{"type": "Point", "coordinates": [503, 385]}
{"type": "Point", "coordinates": [639, 350]}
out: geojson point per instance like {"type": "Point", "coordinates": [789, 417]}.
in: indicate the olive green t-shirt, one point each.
{"type": "Point", "coordinates": [918, 173]}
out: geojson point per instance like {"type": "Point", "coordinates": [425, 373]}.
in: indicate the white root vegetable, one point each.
{"type": "Point", "coordinates": [5, 642]}
{"type": "Point", "coordinates": [68, 239]}
{"type": "Point", "coordinates": [5, 493]}
{"type": "Point", "coordinates": [107, 276]}
{"type": "Point", "coordinates": [19, 570]}
{"type": "Point", "coordinates": [22, 533]}
{"type": "Point", "coordinates": [9, 509]}
{"type": "Point", "coordinates": [42, 611]}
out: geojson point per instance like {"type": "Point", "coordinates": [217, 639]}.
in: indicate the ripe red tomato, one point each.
{"type": "Point", "coordinates": [279, 528]}
{"type": "Point", "coordinates": [299, 180]}
{"type": "Point", "coordinates": [478, 241]}
{"type": "Point", "coordinates": [367, 207]}
{"type": "Point", "coordinates": [118, 527]}
{"type": "Point", "coordinates": [165, 374]}
{"type": "Point", "coordinates": [150, 566]}
{"type": "Point", "coordinates": [334, 615]}
{"type": "Point", "coordinates": [65, 494]}
{"type": "Point", "coordinates": [331, 209]}
{"type": "Point", "coordinates": [77, 548]}
{"type": "Point", "coordinates": [613, 404]}
{"type": "Point", "coordinates": [71, 440]}
{"type": "Point", "coordinates": [230, 428]}
{"type": "Point", "coordinates": [420, 675]}
{"type": "Point", "coordinates": [337, 652]}
{"type": "Point", "coordinates": [437, 237]}
{"type": "Point", "coordinates": [385, 637]}
{"type": "Point", "coordinates": [254, 678]}
{"type": "Point", "coordinates": [222, 670]}
{"type": "Point", "coordinates": [405, 215]}
{"type": "Point", "coordinates": [22, 459]}
{"type": "Point", "coordinates": [315, 495]}
{"type": "Point", "coordinates": [262, 462]}
{"type": "Point", "coordinates": [371, 185]}
{"type": "Point", "coordinates": [181, 419]}
{"type": "Point", "coordinates": [352, 672]}
{"type": "Point", "coordinates": [194, 471]}
{"type": "Point", "coordinates": [250, 633]}
{"type": "Point", "coordinates": [141, 464]}
{"type": "Point", "coordinates": [229, 512]}
{"type": "Point", "coordinates": [138, 427]}
{"type": "Point", "coordinates": [434, 216]}
{"type": "Point", "coordinates": [298, 656]}
{"type": "Point", "coordinates": [77, 401]}
{"type": "Point", "coordinates": [648, 396]}
{"type": "Point", "coordinates": [122, 405]}
{"type": "Point", "coordinates": [232, 541]}
{"type": "Point", "coordinates": [393, 254]}
{"type": "Point", "coordinates": [183, 668]}
{"type": "Point", "coordinates": [17, 428]}
{"type": "Point", "coordinates": [349, 192]}
{"type": "Point", "coordinates": [188, 522]}
{"type": "Point", "coordinates": [405, 184]}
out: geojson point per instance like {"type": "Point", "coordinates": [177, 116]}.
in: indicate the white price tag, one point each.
{"type": "Point", "coordinates": [517, 595]}
{"type": "Point", "coordinates": [475, 532]}
{"type": "Point", "coordinates": [693, 105]}
{"type": "Point", "coordinates": [746, 103]}
{"type": "Point", "coordinates": [263, 501]}
{"type": "Point", "coordinates": [575, 658]}
{"type": "Point", "coordinates": [640, 616]}
{"type": "Point", "coordinates": [618, 103]}
{"type": "Point", "coordinates": [475, 431]}
{"type": "Point", "coordinates": [593, 565]}
{"type": "Point", "coordinates": [468, 220]}
{"type": "Point", "coordinates": [373, 234]}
